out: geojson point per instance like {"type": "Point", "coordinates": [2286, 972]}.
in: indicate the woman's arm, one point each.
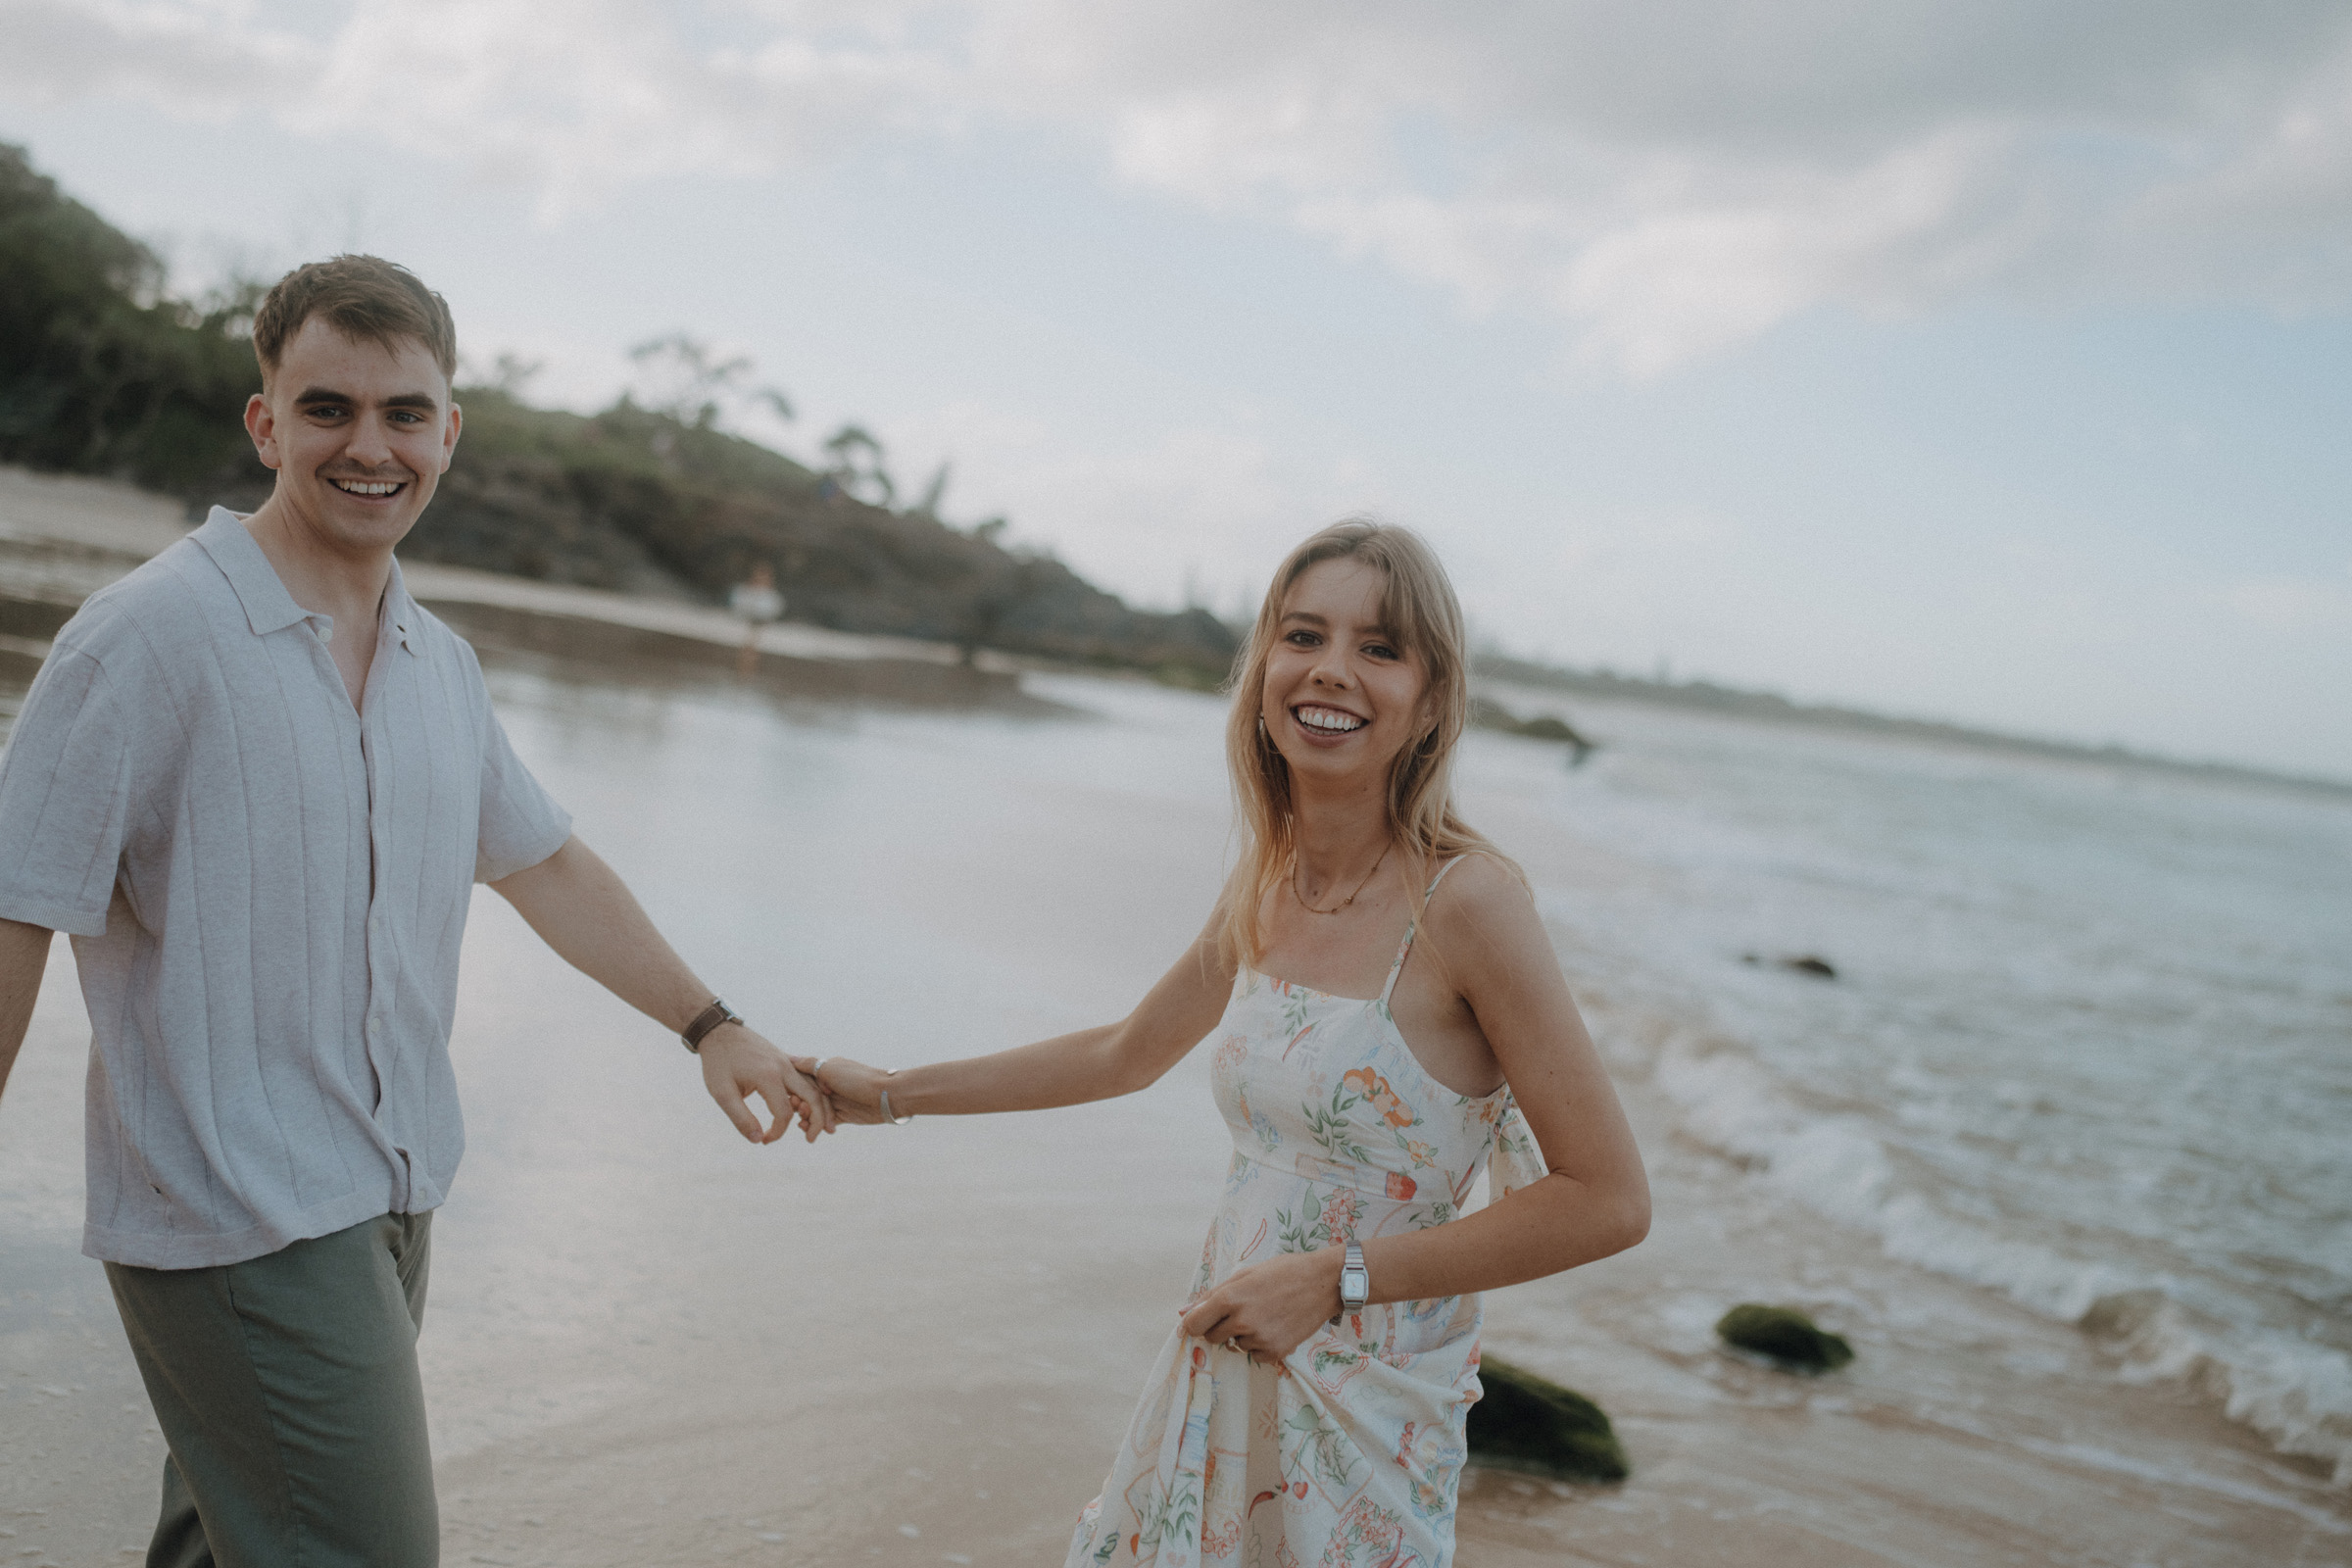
{"type": "Point", "coordinates": [1596, 1200]}
{"type": "Point", "coordinates": [1097, 1063]}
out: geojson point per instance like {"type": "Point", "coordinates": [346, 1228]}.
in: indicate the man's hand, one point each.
{"type": "Point", "coordinates": [1270, 1308]}
{"type": "Point", "coordinates": [585, 913]}
{"type": "Point", "coordinates": [738, 1064]}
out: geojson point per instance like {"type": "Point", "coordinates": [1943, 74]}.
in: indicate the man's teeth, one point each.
{"type": "Point", "coordinates": [1324, 718]}
{"type": "Point", "coordinates": [366, 487]}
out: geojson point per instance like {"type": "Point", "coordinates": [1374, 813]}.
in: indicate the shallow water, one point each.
{"type": "Point", "coordinates": [2090, 1042]}
{"type": "Point", "coordinates": [652, 1343]}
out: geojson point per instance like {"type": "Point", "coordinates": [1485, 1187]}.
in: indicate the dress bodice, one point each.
{"type": "Point", "coordinates": [1333, 1116]}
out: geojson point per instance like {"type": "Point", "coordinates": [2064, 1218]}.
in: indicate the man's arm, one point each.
{"type": "Point", "coordinates": [580, 907]}
{"type": "Point", "coordinates": [23, 954]}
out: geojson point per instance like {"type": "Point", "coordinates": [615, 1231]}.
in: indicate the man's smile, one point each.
{"type": "Point", "coordinates": [368, 488]}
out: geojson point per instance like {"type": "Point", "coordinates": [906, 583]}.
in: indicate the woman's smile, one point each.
{"type": "Point", "coordinates": [1326, 722]}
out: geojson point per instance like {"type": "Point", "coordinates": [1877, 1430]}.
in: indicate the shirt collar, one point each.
{"type": "Point", "coordinates": [267, 606]}
{"type": "Point", "coordinates": [401, 612]}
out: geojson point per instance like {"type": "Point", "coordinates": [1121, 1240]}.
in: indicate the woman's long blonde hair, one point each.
{"type": "Point", "coordinates": [1419, 611]}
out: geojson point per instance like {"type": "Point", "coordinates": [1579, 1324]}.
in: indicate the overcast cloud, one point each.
{"type": "Point", "coordinates": [1663, 180]}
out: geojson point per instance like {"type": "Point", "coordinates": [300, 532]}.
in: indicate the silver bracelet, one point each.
{"type": "Point", "coordinates": [895, 1121]}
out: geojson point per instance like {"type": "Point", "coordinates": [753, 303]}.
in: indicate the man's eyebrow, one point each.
{"type": "Point", "coordinates": [398, 400]}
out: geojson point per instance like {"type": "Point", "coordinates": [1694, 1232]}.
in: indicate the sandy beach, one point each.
{"type": "Point", "coordinates": [649, 1343]}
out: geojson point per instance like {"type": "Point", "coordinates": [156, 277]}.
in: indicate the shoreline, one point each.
{"type": "Point", "coordinates": [64, 535]}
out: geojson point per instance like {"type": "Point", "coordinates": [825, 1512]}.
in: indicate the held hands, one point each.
{"type": "Point", "coordinates": [1269, 1309]}
{"type": "Point", "coordinates": [853, 1089]}
{"type": "Point", "coordinates": [737, 1063]}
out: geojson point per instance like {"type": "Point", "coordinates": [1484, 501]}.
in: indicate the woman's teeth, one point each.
{"type": "Point", "coordinates": [1329, 720]}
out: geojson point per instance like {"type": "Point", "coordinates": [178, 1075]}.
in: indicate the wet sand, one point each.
{"type": "Point", "coordinates": [649, 1343]}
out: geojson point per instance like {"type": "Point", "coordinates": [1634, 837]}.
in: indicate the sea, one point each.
{"type": "Point", "coordinates": [2088, 1043]}
{"type": "Point", "coordinates": [2058, 1141]}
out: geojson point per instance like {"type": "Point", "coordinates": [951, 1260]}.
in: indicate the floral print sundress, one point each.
{"type": "Point", "coordinates": [1347, 1455]}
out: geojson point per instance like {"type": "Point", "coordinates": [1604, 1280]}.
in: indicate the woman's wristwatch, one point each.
{"type": "Point", "coordinates": [1355, 1282]}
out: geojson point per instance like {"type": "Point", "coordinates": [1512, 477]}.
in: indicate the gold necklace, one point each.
{"type": "Point", "coordinates": [1351, 898]}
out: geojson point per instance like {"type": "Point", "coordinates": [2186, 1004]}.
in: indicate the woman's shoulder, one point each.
{"type": "Point", "coordinates": [1478, 887]}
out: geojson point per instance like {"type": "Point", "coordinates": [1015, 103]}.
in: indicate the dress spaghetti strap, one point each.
{"type": "Point", "coordinates": [1405, 948]}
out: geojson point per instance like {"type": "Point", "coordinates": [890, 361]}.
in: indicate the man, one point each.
{"type": "Point", "coordinates": [256, 782]}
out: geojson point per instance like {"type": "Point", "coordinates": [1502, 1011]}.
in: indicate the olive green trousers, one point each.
{"type": "Point", "coordinates": [286, 1387]}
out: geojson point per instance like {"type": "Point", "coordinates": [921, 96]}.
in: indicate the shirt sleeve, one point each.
{"type": "Point", "coordinates": [65, 799]}
{"type": "Point", "coordinates": [520, 823]}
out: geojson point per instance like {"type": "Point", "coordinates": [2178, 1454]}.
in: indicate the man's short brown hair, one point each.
{"type": "Point", "coordinates": [366, 299]}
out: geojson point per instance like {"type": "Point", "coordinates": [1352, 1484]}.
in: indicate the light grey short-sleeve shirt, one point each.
{"type": "Point", "coordinates": [266, 891]}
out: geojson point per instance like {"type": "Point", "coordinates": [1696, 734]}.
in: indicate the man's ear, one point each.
{"type": "Point", "coordinates": [262, 426]}
{"type": "Point", "coordinates": [449, 435]}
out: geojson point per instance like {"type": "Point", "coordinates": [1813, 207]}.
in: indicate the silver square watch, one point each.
{"type": "Point", "coordinates": [1355, 1282]}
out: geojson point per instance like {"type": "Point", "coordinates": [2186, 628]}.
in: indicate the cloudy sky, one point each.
{"type": "Point", "coordinates": [1990, 362]}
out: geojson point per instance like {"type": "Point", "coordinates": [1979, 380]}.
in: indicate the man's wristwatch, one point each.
{"type": "Point", "coordinates": [1355, 1282]}
{"type": "Point", "coordinates": [705, 1021]}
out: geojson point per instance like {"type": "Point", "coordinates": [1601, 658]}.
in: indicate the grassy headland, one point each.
{"type": "Point", "coordinates": [103, 372]}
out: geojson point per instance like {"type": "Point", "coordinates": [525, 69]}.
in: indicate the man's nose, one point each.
{"type": "Point", "coordinates": [368, 445]}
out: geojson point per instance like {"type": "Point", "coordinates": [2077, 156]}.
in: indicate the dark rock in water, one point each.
{"type": "Point", "coordinates": [1486, 713]}
{"type": "Point", "coordinates": [1786, 1335]}
{"type": "Point", "coordinates": [1801, 963]}
{"type": "Point", "coordinates": [2124, 1316]}
{"type": "Point", "coordinates": [1530, 1423]}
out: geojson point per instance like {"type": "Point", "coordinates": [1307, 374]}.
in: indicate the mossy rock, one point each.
{"type": "Point", "coordinates": [1530, 1423]}
{"type": "Point", "coordinates": [1546, 727]}
{"type": "Point", "coordinates": [1786, 1335]}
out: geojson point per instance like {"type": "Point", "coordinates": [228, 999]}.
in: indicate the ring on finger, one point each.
{"type": "Point", "coordinates": [819, 1066]}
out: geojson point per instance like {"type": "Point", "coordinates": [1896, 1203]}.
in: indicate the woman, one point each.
{"type": "Point", "coordinates": [1309, 1409]}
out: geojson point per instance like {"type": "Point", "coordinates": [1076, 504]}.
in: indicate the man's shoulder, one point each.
{"type": "Point", "coordinates": [162, 609]}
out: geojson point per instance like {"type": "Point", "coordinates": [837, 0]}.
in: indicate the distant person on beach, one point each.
{"type": "Point", "coordinates": [1386, 1019]}
{"type": "Point", "coordinates": [257, 782]}
{"type": "Point", "coordinates": [756, 603]}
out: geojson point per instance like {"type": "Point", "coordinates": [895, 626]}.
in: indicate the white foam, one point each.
{"type": "Point", "coordinates": [2298, 1394]}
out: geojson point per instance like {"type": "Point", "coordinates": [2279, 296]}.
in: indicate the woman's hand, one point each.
{"type": "Point", "coordinates": [1268, 1308]}
{"type": "Point", "coordinates": [853, 1088]}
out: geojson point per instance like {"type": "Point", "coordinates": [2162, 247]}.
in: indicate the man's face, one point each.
{"type": "Point", "coordinates": [360, 434]}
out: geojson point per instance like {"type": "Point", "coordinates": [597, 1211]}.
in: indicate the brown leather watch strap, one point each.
{"type": "Point", "coordinates": [705, 1021]}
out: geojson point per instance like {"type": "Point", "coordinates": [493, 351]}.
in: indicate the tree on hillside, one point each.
{"type": "Point", "coordinates": [933, 493]}
{"type": "Point", "coordinates": [681, 376]}
{"type": "Point", "coordinates": [858, 467]}
{"type": "Point", "coordinates": [100, 370]}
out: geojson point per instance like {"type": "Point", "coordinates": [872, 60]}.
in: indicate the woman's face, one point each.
{"type": "Point", "coordinates": [1342, 698]}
